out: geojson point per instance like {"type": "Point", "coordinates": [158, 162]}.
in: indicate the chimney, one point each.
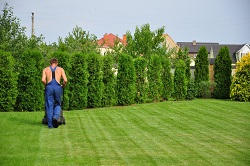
{"type": "Point", "coordinates": [124, 39]}
{"type": "Point", "coordinates": [194, 42]}
{"type": "Point", "coordinates": [32, 28]}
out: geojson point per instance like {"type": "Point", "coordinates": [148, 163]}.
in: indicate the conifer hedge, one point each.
{"type": "Point", "coordinates": [141, 75]}
{"type": "Point", "coordinates": [180, 82]}
{"type": "Point", "coordinates": [79, 81]}
{"type": "Point", "coordinates": [166, 78]}
{"type": "Point", "coordinates": [125, 80]}
{"type": "Point", "coordinates": [8, 82]}
{"type": "Point", "coordinates": [201, 72]}
{"type": "Point", "coordinates": [30, 88]}
{"type": "Point", "coordinates": [64, 61]}
{"type": "Point", "coordinates": [222, 74]}
{"type": "Point", "coordinates": [95, 84]}
{"type": "Point", "coordinates": [109, 81]}
{"type": "Point", "coordinates": [154, 78]}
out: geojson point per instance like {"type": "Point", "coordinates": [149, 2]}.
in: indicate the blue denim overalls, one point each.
{"type": "Point", "coordinates": [53, 93]}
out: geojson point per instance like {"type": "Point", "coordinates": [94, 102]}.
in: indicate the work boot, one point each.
{"type": "Point", "coordinates": [55, 123]}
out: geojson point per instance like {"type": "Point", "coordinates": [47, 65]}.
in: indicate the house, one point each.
{"type": "Point", "coordinates": [108, 41]}
{"type": "Point", "coordinates": [170, 43]}
{"type": "Point", "coordinates": [236, 51]}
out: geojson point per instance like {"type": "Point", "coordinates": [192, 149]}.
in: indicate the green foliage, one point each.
{"type": "Point", "coordinates": [12, 35]}
{"type": "Point", "coordinates": [154, 78]}
{"type": "Point", "coordinates": [204, 89]}
{"type": "Point", "coordinates": [8, 82]}
{"type": "Point", "coordinates": [79, 41]}
{"type": "Point", "coordinates": [95, 84]}
{"type": "Point", "coordinates": [144, 41]}
{"type": "Point", "coordinates": [191, 90]}
{"type": "Point", "coordinates": [78, 82]}
{"type": "Point", "coordinates": [201, 72]}
{"type": "Point", "coordinates": [222, 74]}
{"type": "Point", "coordinates": [180, 82]}
{"type": "Point", "coordinates": [125, 80]}
{"type": "Point", "coordinates": [30, 89]}
{"type": "Point", "coordinates": [166, 78]}
{"type": "Point", "coordinates": [109, 81]}
{"type": "Point", "coordinates": [64, 59]}
{"type": "Point", "coordinates": [141, 84]}
{"type": "Point", "coordinates": [240, 88]}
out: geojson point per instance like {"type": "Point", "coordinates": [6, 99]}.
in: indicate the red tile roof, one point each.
{"type": "Point", "coordinates": [109, 40]}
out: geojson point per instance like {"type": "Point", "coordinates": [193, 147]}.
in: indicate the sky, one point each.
{"type": "Point", "coordinates": [222, 21]}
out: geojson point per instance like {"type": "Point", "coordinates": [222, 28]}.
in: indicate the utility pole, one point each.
{"type": "Point", "coordinates": [32, 28]}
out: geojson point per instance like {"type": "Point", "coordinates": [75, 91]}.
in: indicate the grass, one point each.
{"type": "Point", "coordinates": [198, 132]}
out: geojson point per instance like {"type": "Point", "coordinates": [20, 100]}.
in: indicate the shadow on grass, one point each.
{"type": "Point", "coordinates": [26, 121]}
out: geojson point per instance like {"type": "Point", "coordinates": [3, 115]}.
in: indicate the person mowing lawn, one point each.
{"type": "Point", "coordinates": [53, 91]}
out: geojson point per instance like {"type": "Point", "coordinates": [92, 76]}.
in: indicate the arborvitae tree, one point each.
{"type": "Point", "coordinates": [141, 84]}
{"type": "Point", "coordinates": [95, 84]}
{"type": "Point", "coordinates": [30, 89]}
{"type": "Point", "coordinates": [180, 82]}
{"type": "Point", "coordinates": [64, 59]}
{"type": "Point", "coordinates": [125, 80]}
{"type": "Point", "coordinates": [78, 82]}
{"type": "Point", "coordinates": [166, 78]}
{"type": "Point", "coordinates": [154, 78]}
{"type": "Point", "coordinates": [8, 82]}
{"type": "Point", "coordinates": [240, 88]}
{"type": "Point", "coordinates": [222, 74]}
{"type": "Point", "coordinates": [109, 81]}
{"type": "Point", "coordinates": [201, 72]}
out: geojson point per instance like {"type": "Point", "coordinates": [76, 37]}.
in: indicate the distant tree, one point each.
{"type": "Point", "coordinates": [8, 82]}
{"type": "Point", "coordinates": [240, 88]}
{"type": "Point", "coordinates": [166, 77]}
{"type": "Point", "coordinates": [30, 89]}
{"type": "Point", "coordinates": [109, 81]}
{"type": "Point", "coordinates": [154, 78]}
{"type": "Point", "coordinates": [144, 41]}
{"type": "Point", "coordinates": [78, 82]}
{"type": "Point", "coordinates": [141, 75]}
{"type": "Point", "coordinates": [95, 84]}
{"type": "Point", "coordinates": [125, 80]}
{"type": "Point", "coordinates": [180, 82]}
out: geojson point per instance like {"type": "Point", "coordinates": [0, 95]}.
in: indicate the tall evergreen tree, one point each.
{"type": "Point", "coordinates": [180, 82]}
{"type": "Point", "coordinates": [109, 81]}
{"type": "Point", "coordinates": [8, 82]}
{"type": "Point", "coordinates": [125, 80]}
{"type": "Point", "coordinates": [222, 74]}
{"type": "Point", "coordinates": [95, 84]}
{"type": "Point", "coordinates": [79, 81]}
{"type": "Point", "coordinates": [201, 72]}
{"type": "Point", "coordinates": [141, 84]}
{"type": "Point", "coordinates": [166, 78]}
{"type": "Point", "coordinates": [154, 78]}
{"type": "Point", "coordinates": [30, 89]}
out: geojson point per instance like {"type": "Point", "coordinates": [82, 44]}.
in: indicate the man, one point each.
{"type": "Point", "coordinates": [53, 91]}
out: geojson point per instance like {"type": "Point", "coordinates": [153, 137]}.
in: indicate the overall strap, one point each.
{"type": "Point", "coordinates": [53, 72]}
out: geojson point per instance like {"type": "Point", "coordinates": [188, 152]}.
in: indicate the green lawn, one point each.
{"type": "Point", "coordinates": [198, 132]}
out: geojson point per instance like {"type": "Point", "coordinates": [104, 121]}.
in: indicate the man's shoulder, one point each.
{"type": "Point", "coordinates": [46, 68]}
{"type": "Point", "coordinates": [60, 68]}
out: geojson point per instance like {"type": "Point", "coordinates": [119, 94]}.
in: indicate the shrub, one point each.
{"type": "Point", "coordinates": [222, 74]}
{"type": "Point", "coordinates": [166, 78]}
{"type": "Point", "coordinates": [240, 88]}
{"type": "Point", "coordinates": [95, 84]}
{"type": "Point", "coordinates": [79, 81]}
{"type": "Point", "coordinates": [64, 62]}
{"type": "Point", "coordinates": [125, 80]}
{"type": "Point", "coordinates": [203, 89]}
{"type": "Point", "coordinates": [154, 78]}
{"type": "Point", "coordinates": [191, 90]}
{"type": "Point", "coordinates": [180, 82]}
{"type": "Point", "coordinates": [109, 81]}
{"type": "Point", "coordinates": [141, 74]}
{"type": "Point", "coordinates": [201, 72]}
{"type": "Point", "coordinates": [30, 89]}
{"type": "Point", "coordinates": [8, 82]}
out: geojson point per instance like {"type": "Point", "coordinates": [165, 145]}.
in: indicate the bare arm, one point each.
{"type": "Point", "coordinates": [44, 77]}
{"type": "Point", "coordinates": [64, 78]}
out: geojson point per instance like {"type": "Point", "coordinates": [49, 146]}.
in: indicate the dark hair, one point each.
{"type": "Point", "coordinates": [53, 60]}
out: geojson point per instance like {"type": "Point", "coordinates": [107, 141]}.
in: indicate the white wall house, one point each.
{"type": "Point", "coordinates": [243, 51]}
